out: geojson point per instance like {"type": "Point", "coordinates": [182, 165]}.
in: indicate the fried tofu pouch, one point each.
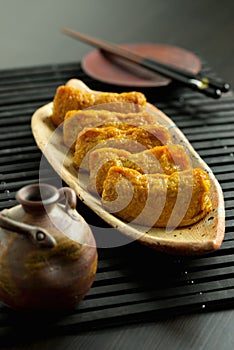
{"type": "Point", "coordinates": [158, 200]}
{"type": "Point", "coordinates": [160, 159]}
{"type": "Point", "coordinates": [75, 121]}
{"type": "Point", "coordinates": [68, 98]}
{"type": "Point", "coordinates": [132, 139]}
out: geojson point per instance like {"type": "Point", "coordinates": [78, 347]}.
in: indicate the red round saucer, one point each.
{"type": "Point", "coordinates": [114, 70]}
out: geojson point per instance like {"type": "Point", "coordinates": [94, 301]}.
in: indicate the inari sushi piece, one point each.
{"type": "Point", "coordinates": [158, 200]}
{"type": "Point", "coordinates": [160, 159]}
{"type": "Point", "coordinates": [75, 121]}
{"type": "Point", "coordinates": [69, 98]}
{"type": "Point", "coordinates": [132, 139]}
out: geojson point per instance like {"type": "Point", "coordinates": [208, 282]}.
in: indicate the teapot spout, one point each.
{"type": "Point", "coordinates": [38, 235]}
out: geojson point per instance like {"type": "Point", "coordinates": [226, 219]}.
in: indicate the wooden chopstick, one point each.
{"type": "Point", "coordinates": [223, 86]}
{"type": "Point", "coordinates": [197, 82]}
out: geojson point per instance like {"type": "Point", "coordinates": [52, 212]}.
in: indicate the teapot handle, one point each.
{"type": "Point", "coordinates": [70, 197]}
{"type": "Point", "coordinates": [38, 235]}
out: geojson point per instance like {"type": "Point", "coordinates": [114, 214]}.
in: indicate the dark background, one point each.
{"type": "Point", "coordinates": [30, 31]}
{"type": "Point", "coordinates": [30, 35]}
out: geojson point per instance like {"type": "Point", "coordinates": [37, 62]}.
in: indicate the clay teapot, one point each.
{"type": "Point", "coordinates": [48, 255]}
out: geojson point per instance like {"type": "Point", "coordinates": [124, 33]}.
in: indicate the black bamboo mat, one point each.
{"type": "Point", "coordinates": [133, 283]}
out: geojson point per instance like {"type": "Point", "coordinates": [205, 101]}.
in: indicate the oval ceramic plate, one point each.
{"type": "Point", "coordinates": [110, 69]}
{"type": "Point", "coordinates": [200, 238]}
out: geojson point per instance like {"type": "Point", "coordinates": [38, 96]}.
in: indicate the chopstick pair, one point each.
{"type": "Point", "coordinates": [205, 85]}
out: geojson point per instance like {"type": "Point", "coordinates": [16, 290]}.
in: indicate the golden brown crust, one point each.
{"type": "Point", "coordinates": [160, 159]}
{"type": "Point", "coordinates": [75, 121]}
{"type": "Point", "coordinates": [157, 192]}
{"type": "Point", "coordinates": [180, 199]}
{"type": "Point", "coordinates": [133, 139]}
{"type": "Point", "coordinates": [68, 98]}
